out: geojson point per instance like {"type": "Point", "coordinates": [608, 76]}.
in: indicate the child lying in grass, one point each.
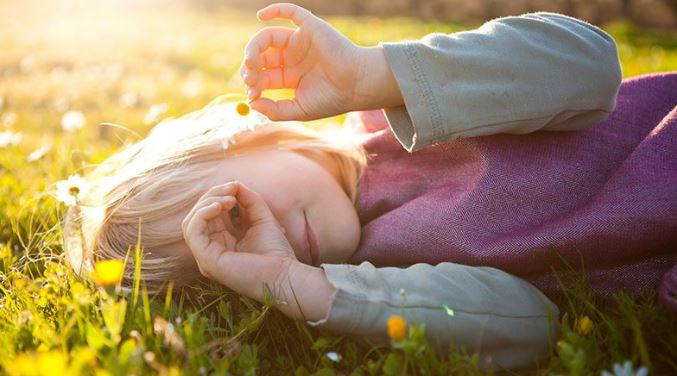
{"type": "Point", "coordinates": [248, 201]}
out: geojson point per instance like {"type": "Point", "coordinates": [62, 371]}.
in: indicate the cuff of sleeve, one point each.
{"type": "Point", "coordinates": [343, 315]}
{"type": "Point", "coordinates": [418, 123]}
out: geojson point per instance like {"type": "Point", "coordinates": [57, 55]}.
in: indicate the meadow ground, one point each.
{"type": "Point", "coordinates": [135, 66]}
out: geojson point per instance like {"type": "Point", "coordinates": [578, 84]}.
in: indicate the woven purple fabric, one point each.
{"type": "Point", "coordinates": [602, 200]}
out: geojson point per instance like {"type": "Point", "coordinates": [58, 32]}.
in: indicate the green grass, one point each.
{"type": "Point", "coordinates": [55, 58]}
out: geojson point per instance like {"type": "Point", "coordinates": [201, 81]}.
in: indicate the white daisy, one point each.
{"type": "Point", "coordinates": [8, 119]}
{"type": "Point", "coordinates": [333, 356]}
{"type": "Point", "coordinates": [155, 112]}
{"type": "Point", "coordinates": [72, 190]}
{"type": "Point", "coordinates": [39, 153]}
{"type": "Point", "coordinates": [626, 369]}
{"type": "Point", "coordinates": [72, 121]}
{"type": "Point", "coordinates": [129, 99]}
{"type": "Point", "coordinates": [191, 88]}
{"type": "Point", "coordinates": [8, 138]}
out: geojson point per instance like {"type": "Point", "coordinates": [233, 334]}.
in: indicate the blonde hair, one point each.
{"type": "Point", "coordinates": [162, 176]}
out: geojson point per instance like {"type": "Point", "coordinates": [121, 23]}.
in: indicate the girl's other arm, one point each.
{"type": "Point", "coordinates": [507, 320]}
{"type": "Point", "coordinates": [512, 75]}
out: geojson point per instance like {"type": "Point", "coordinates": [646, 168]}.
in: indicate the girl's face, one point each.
{"type": "Point", "coordinates": [297, 188]}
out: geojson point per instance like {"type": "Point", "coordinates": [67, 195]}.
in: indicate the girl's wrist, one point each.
{"type": "Point", "coordinates": [376, 86]}
{"type": "Point", "coordinates": [306, 292]}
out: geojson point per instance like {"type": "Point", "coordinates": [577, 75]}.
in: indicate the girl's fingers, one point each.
{"type": "Point", "coordinates": [227, 189]}
{"type": "Point", "coordinates": [248, 77]}
{"type": "Point", "coordinates": [269, 37]}
{"type": "Point", "coordinates": [216, 191]}
{"type": "Point", "coordinates": [275, 78]}
{"type": "Point", "coordinates": [255, 208]}
{"type": "Point", "coordinates": [194, 232]}
{"type": "Point", "coordinates": [227, 201]}
{"type": "Point", "coordinates": [286, 109]}
{"type": "Point", "coordinates": [273, 58]}
{"type": "Point", "coordinates": [287, 11]}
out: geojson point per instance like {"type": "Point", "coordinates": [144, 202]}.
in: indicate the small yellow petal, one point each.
{"type": "Point", "coordinates": [242, 108]}
{"type": "Point", "coordinates": [584, 326]}
{"type": "Point", "coordinates": [108, 272]}
{"type": "Point", "coordinates": [397, 327]}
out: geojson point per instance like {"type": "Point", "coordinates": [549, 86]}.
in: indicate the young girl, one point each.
{"type": "Point", "coordinates": [251, 202]}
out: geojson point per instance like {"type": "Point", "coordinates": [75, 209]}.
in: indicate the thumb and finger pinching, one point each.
{"type": "Point", "coordinates": [281, 110]}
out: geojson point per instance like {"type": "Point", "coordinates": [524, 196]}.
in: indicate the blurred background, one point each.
{"type": "Point", "coordinates": [67, 66]}
{"type": "Point", "coordinates": [656, 13]}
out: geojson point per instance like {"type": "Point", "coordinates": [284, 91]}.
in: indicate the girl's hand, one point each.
{"type": "Point", "coordinates": [330, 74]}
{"type": "Point", "coordinates": [246, 252]}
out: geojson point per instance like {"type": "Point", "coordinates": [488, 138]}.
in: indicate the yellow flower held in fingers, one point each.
{"type": "Point", "coordinates": [397, 327]}
{"type": "Point", "coordinates": [242, 108]}
{"type": "Point", "coordinates": [108, 272]}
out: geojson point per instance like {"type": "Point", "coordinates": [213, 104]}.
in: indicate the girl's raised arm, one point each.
{"type": "Point", "coordinates": [512, 75]}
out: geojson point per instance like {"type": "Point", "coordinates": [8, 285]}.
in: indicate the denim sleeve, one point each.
{"type": "Point", "coordinates": [538, 71]}
{"type": "Point", "coordinates": [503, 318]}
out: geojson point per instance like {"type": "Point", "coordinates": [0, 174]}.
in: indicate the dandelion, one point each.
{"type": "Point", "coordinates": [397, 327]}
{"type": "Point", "coordinates": [626, 369]}
{"type": "Point", "coordinates": [8, 119]}
{"type": "Point", "coordinates": [8, 138]}
{"type": "Point", "coordinates": [108, 272]}
{"type": "Point", "coordinates": [155, 112]}
{"type": "Point", "coordinates": [242, 108]}
{"type": "Point", "coordinates": [72, 121]}
{"type": "Point", "coordinates": [584, 326]}
{"type": "Point", "coordinates": [72, 190]}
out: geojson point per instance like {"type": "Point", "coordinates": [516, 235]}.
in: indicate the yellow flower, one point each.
{"type": "Point", "coordinates": [584, 325]}
{"type": "Point", "coordinates": [397, 327]}
{"type": "Point", "coordinates": [108, 272]}
{"type": "Point", "coordinates": [242, 108]}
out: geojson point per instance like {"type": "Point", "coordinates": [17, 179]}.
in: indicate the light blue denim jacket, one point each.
{"type": "Point", "coordinates": [539, 71]}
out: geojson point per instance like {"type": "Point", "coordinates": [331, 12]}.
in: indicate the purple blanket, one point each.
{"type": "Point", "coordinates": [602, 200]}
